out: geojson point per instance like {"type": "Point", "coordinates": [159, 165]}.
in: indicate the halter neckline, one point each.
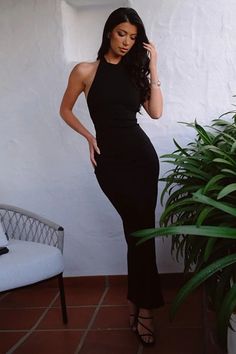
{"type": "Point", "coordinates": [111, 64]}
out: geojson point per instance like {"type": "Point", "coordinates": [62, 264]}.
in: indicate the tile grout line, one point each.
{"type": "Point", "coordinates": [140, 348]}
{"type": "Point", "coordinates": [56, 307]}
{"type": "Point", "coordinates": [31, 330]}
{"type": "Point", "coordinates": [81, 342]}
{"type": "Point", "coordinates": [66, 330]}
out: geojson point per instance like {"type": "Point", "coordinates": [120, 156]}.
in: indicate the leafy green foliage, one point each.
{"type": "Point", "coordinates": [200, 200]}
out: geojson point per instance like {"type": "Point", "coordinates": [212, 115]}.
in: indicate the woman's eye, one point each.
{"type": "Point", "coordinates": [133, 38]}
{"type": "Point", "coordinates": [121, 34]}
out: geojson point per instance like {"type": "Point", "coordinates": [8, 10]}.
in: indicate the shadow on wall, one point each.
{"type": "Point", "coordinates": [83, 22]}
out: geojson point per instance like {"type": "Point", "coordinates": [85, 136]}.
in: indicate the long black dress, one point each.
{"type": "Point", "coordinates": [127, 172]}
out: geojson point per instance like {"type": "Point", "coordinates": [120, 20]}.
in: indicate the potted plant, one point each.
{"type": "Point", "coordinates": [200, 214]}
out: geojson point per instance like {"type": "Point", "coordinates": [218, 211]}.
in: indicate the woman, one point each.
{"type": "Point", "coordinates": [123, 78]}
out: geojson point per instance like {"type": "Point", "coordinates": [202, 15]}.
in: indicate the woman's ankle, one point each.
{"type": "Point", "coordinates": [132, 307]}
{"type": "Point", "coordinates": [148, 313]}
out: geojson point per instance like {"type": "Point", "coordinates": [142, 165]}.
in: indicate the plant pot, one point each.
{"type": "Point", "coordinates": [232, 336]}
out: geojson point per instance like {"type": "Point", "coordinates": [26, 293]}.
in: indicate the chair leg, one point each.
{"type": "Point", "coordinates": [62, 296]}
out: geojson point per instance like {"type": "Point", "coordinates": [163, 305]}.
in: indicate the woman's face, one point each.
{"type": "Point", "coordinates": [122, 38]}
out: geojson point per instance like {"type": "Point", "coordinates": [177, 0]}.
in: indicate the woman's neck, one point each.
{"type": "Point", "coordinates": [111, 58]}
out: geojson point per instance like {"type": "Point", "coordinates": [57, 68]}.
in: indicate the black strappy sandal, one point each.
{"type": "Point", "coordinates": [133, 316]}
{"type": "Point", "coordinates": [149, 332]}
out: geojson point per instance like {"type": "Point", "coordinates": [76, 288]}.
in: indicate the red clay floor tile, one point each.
{"type": "Point", "coordinates": [117, 280]}
{"type": "Point", "coordinates": [19, 318]}
{"type": "Point", "coordinates": [110, 342]}
{"type": "Point", "coordinates": [30, 297]}
{"type": "Point", "coordinates": [188, 315]}
{"type": "Point", "coordinates": [96, 281]}
{"type": "Point", "coordinates": [110, 333]}
{"type": "Point", "coordinates": [82, 296]}
{"type": "Point", "coordinates": [116, 295]}
{"type": "Point", "coordinates": [112, 317]}
{"type": "Point", "coordinates": [178, 341]}
{"type": "Point", "coordinates": [78, 318]}
{"type": "Point", "coordinates": [50, 342]}
{"type": "Point", "coordinates": [8, 339]}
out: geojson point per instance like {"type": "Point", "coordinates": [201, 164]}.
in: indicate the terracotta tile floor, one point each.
{"type": "Point", "coordinates": [30, 320]}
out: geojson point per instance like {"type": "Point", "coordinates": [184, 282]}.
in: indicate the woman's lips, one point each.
{"type": "Point", "coordinates": [124, 50]}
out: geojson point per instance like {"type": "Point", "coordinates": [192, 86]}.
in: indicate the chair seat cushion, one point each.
{"type": "Point", "coordinates": [27, 263]}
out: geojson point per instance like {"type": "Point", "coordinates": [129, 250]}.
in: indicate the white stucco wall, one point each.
{"type": "Point", "coordinates": [44, 164]}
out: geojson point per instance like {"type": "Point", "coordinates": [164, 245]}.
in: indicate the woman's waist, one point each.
{"type": "Point", "coordinates": [129, 141]}
{"type": "Point", "coordinates": [125, 134]}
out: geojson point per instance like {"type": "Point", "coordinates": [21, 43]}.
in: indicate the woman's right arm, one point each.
{"type": "Point", "coordinates": [74, 88]}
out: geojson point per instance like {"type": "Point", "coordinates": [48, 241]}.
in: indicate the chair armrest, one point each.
{"type": "Point", "coordinates": [24, 225]}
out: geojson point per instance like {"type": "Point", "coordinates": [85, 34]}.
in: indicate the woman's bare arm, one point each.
{"type": "Point", "coordinates": [153, 106]}
{"type": "Point", "coordinates": [76, 85]}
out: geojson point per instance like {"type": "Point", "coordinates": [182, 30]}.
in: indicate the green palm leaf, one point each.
{"type": "Point", "coordinates": [227, 190]}
{"type": "Point", "coordinates": [221, 288]}
{"type": "Point", "coordinates": [206, 137]}
{"type": "Point", "coordinates": [223, 161]}
{"type": "Point", "coordinates": [200, 200]}
{"type": "Point", "coordinates": [183, 151]}
{"type": "Point", "coordinates": [220, 121]}
{"type": "Point", "coordinates": [229, 171]}
{"type": "Point", "coordinates": [198, 197]}
{"type": "Point", "coordinates": [211, 231]}
{"type": "Point", "coordinates": [199, 278]}
{"type": "Point", "coordinates": [233, 148]}
{"type": "Point", "coordinates": [208, 249]}
{"type": "Point", "coordinates": [212, 182]}
{"type": "Point", "coordinates": [205, 212]}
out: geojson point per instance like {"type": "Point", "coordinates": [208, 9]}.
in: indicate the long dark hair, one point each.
{"type": "Point", "coordinates": [136, 60]}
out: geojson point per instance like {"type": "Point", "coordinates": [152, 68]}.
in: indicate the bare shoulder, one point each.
{"type": "Point", "coordinates": [84, 70]}
{"type": "Point", "coordinates": [81, 76]}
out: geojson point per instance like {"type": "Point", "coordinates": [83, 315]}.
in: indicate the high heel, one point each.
{"type": "Point", "coordinates": [148, 333]}
{"type": "Point", "coordinates": [133, 314]}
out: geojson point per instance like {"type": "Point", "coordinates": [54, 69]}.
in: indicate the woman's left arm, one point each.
{"type": "Point", "coordinates": [154, 105]}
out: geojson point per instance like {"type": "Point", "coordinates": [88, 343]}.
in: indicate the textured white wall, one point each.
{"type": "Point", "coordinates": [44, 164]}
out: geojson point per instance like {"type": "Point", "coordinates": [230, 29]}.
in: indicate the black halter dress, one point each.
{"type": "Point", "coordinates": [127, 172]}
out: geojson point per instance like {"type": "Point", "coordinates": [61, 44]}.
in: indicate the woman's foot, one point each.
{"type": "Point", "coordinates": [133, 313]}
{"type": "Point", "coordinates": [145, 328]}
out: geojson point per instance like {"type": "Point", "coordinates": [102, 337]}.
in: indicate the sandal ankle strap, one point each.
{"type": "Point", "coordinates": [145, 318]}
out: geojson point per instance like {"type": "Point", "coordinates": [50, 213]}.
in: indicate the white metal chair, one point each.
{"type": "Point", "coordinates": [35, 251]}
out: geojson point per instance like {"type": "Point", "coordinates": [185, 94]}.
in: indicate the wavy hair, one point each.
{"type": "Point", "coordinates": [136, 60]}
